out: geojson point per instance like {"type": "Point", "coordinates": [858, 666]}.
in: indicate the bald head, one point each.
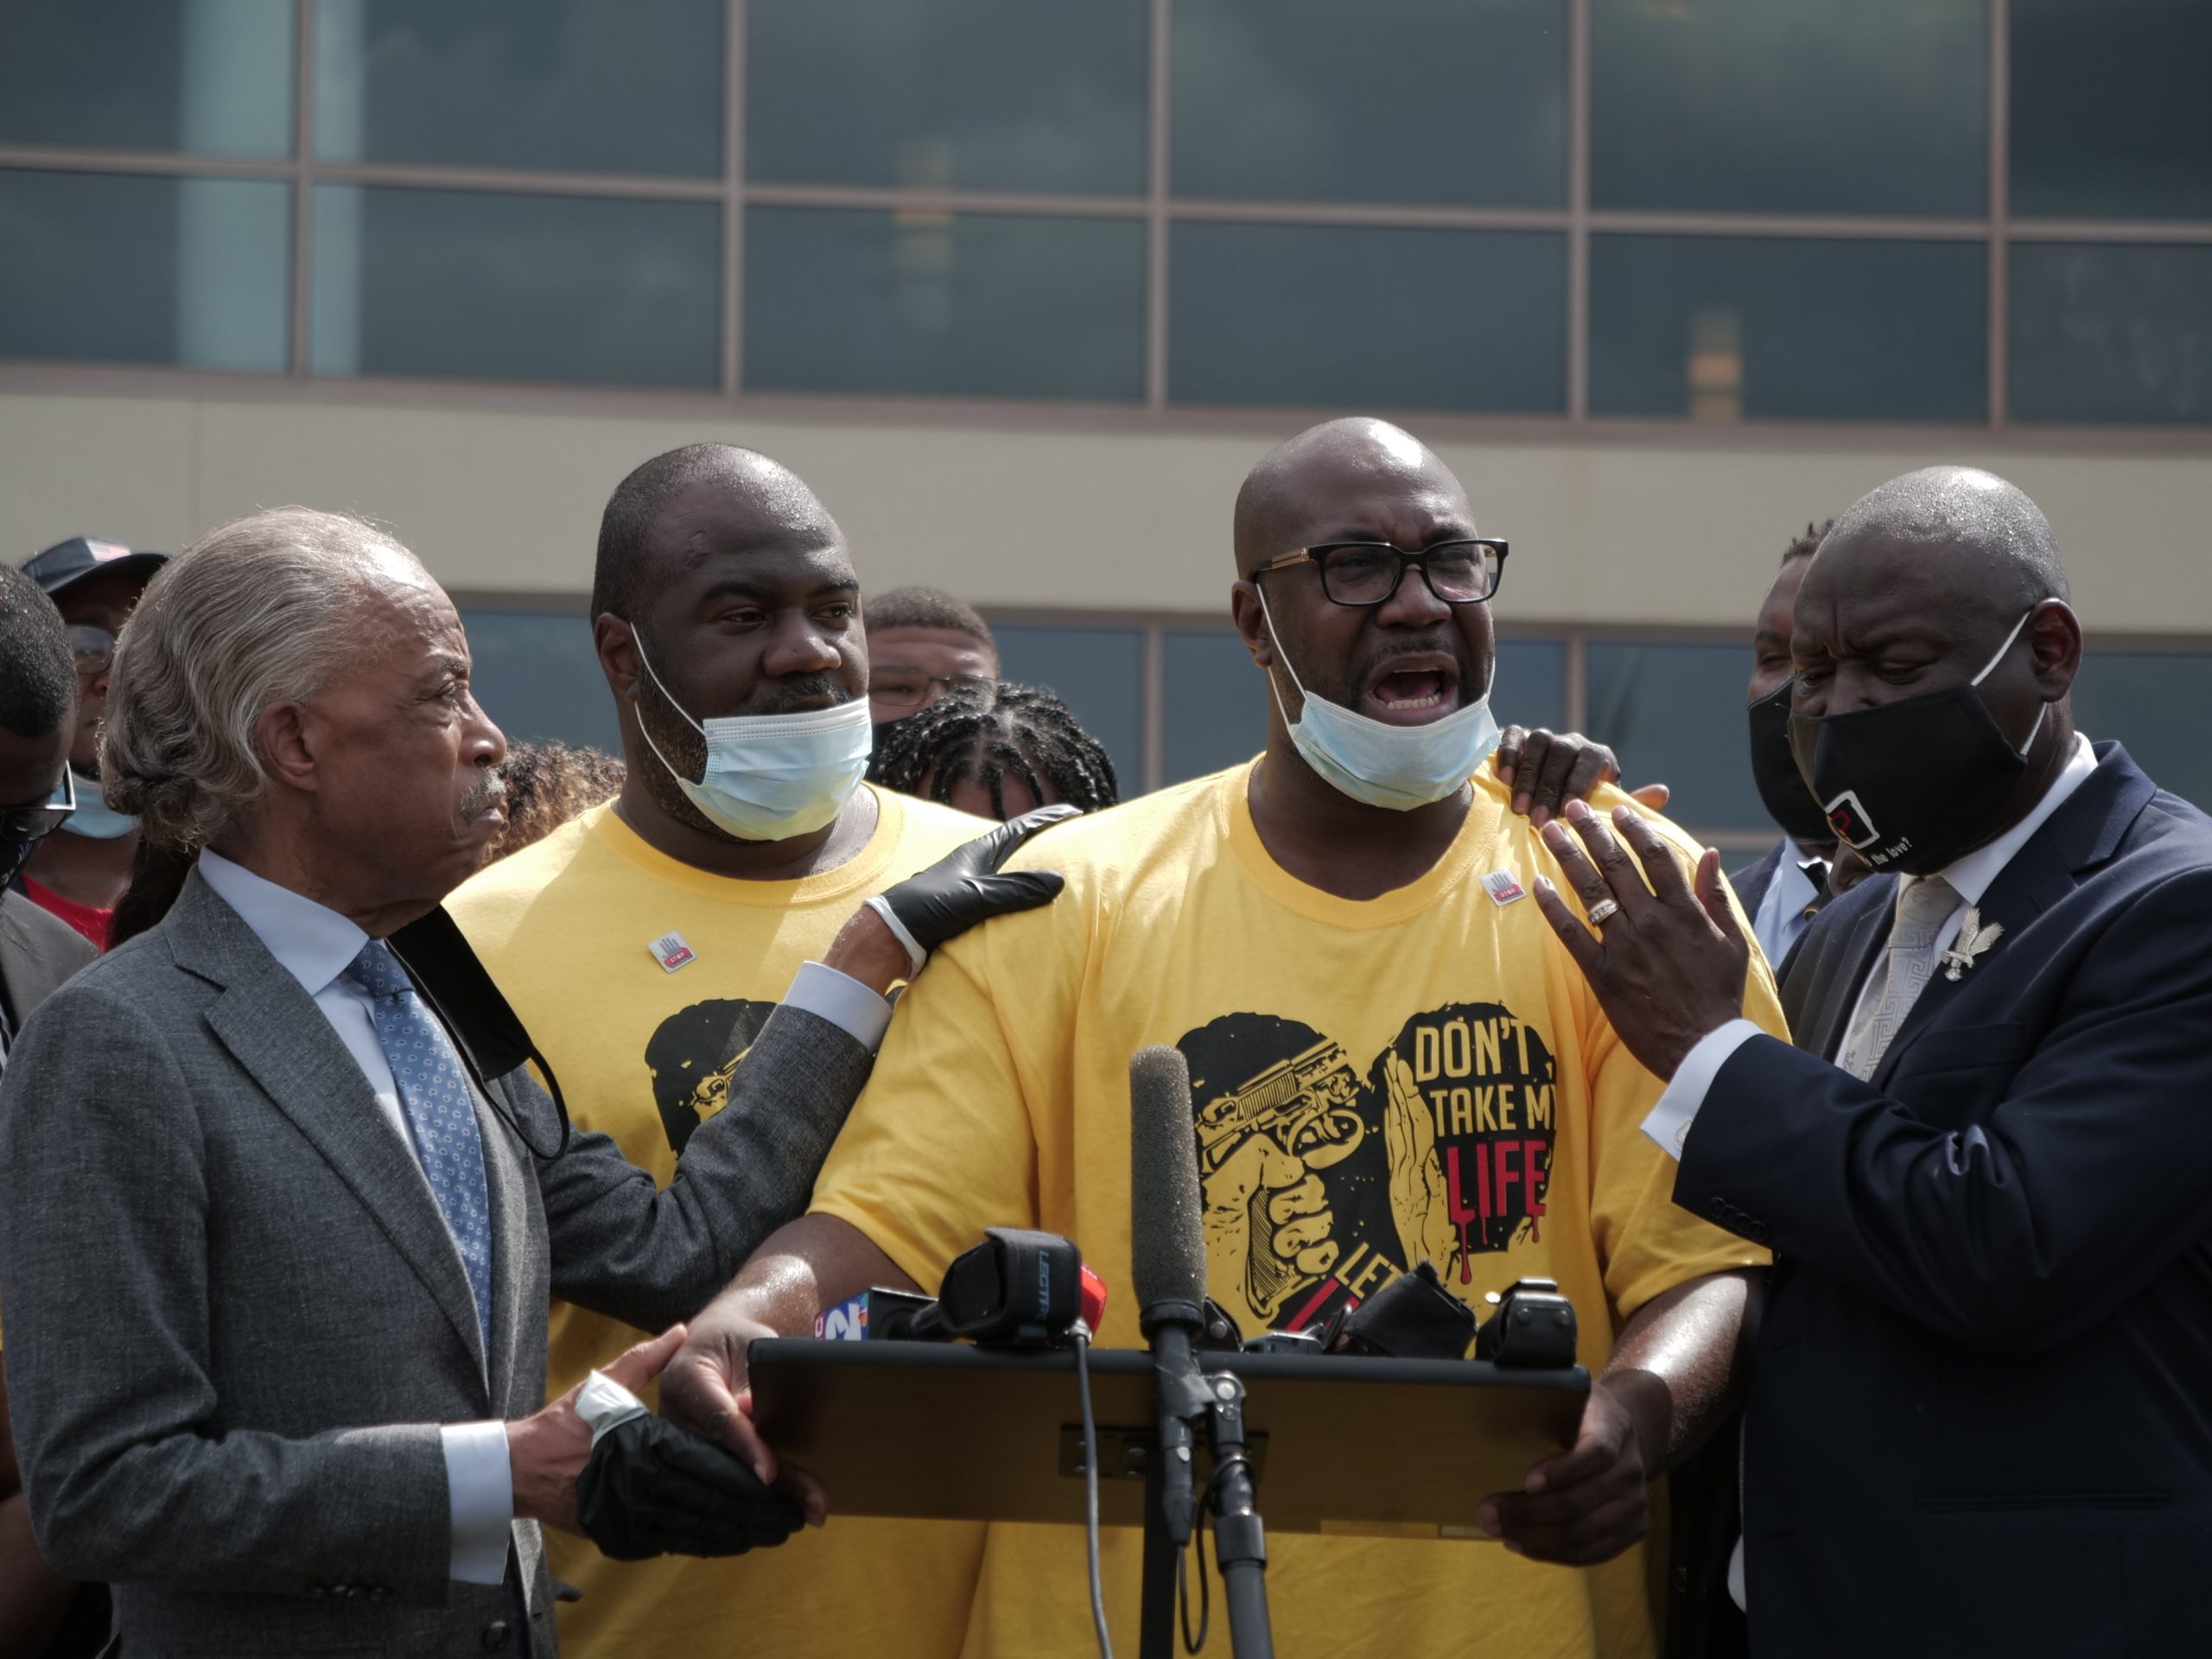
{"type": "Point", "coordinates": [754, 498]}
{"type": "Point", "coordinates": [1980, 536]}
{"type": "Point", "coordinates": [1302, 491]}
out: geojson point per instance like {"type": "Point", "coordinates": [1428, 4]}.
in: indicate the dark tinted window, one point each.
{"type": "Point", "coordinates": [1730, 327]}
{"type": "Point", "coordinates": [536, 675]}
{"type": "Point", "coordinates": [949, 95]}
{"type": "Point", "coordinates": [1801, 106]}
{"type": "Point", "coordinates": [578, 289]}
{"type": "Point", "coordinates": [1217, 708]}
{"type": "Point", "coordinates": [209, 80]}
{"type": "Point", "coordinates": [109, 268]}
{"type": "Point", "coordinates": [2111, 334]}
{"type": "Point", "coordinates": [1309, 315]}
{"type": "Point", "coordinates": [2111, 117]}
{"type": "Point", "coordinates": [1674, 715]}
{"type": "Point", "coordinates": [2152, 701]}
{"type": "Point", "coordinates": [1388, 100]}
{"type": "Point", "coordinates": [567, 86]}
{"type": "Point", "coordinates": [1098, 673]}
{"type": "Point", "coordinates": [983, 305]}
{"type": "Point", "coordinates": [1531, 685]}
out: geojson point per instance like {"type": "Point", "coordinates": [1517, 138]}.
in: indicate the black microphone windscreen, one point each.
{"type": "Point", "coordinates": [1168, 1247]}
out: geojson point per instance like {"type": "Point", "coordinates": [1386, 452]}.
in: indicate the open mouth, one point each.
{"type": "Point", "coordinates": [1410, 695]}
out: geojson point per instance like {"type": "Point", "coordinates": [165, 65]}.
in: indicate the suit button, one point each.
{"type": "Point", "coordinates": [495, 1636]}
{"type": "Point", "coordinates": [379, 1592]}
{"type": "Point", "coordinates": [1718, 1209]}
{"type": "Point", "coordinates": [320, 1591]}
{"type": "Point", "coordinates": [1756, 1231]}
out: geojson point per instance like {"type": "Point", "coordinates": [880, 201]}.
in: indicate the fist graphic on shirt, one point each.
{"type": "Point", "coordinates": [1266, 1209]}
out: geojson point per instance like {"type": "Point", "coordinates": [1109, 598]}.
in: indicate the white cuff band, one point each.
{"type": "Point", "coordinates": [915, 955]}
{"type": "Point", "coordinates": [605, 1405]}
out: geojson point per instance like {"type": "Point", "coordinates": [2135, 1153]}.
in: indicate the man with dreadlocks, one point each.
{"type": "Point", "coordinates": [996, 749]}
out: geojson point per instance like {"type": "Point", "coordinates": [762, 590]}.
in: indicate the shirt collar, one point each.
{"type": "Point", "coordinates": [1975, 874]}
{"type": "Point", "coordinates": [311, 942]}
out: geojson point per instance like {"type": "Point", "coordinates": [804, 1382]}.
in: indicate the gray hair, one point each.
{"type": "Point", "coordinates": [259, 611]}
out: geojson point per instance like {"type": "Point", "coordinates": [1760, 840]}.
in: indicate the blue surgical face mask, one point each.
{"type": "Point", "coordinates": [770, 777]}
{"type": "Point", "coordinates": [1400, 767]}
{"type": "Point", "coordinates": [94, 819]}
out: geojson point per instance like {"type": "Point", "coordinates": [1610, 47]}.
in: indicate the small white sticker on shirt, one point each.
{"type": "Point", "coordinates": [1502, 887]}
{"type": "Point", "coordinates": [672, 952]}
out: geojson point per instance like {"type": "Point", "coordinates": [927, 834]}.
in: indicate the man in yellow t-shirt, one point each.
{"type": "Point", "coordinates": [1393, 1059]}
{"type": "Point", "coordinates": [643, 944]}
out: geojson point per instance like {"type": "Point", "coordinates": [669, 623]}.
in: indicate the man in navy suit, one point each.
{"type": "Point", "coordinates": [1980, 1411]}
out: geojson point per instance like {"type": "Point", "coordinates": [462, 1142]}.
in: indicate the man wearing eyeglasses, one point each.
{"type": "Point", "coordinates": [920, 640]}
{"type": "Point", "coordinates": [79, 874]}
{"type": "Point", "coordinates": [38, 696]}
{"type": "Point", "coordinates": [1392, 1061]}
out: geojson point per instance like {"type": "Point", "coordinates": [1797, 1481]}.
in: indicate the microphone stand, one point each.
{"type": "Point", "coordinates": [1240, 1540]}
{"type": "Point", "coordinates": [1180, 1398]}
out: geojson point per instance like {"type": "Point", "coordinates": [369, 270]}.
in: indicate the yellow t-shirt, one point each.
{"type": "Point", "coordinates": [567, 928]}
{"type": "Point", "coordinates": [1424, 1074]}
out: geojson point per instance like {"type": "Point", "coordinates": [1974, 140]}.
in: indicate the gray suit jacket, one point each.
{"type": "Point", "coordinates": [38, 952]}
{"type": "Point", "coordinates": [235, 1318]}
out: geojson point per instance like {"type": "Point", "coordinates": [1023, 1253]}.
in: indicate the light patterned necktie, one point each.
{"type": "Point", "coordinates": [434, 1093]}
{"type": "Point", "coordinates": [1923, 906]}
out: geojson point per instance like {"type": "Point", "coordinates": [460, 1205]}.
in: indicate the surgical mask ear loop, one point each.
{"type": "Point", "coordinates": [645, 731]}
{"type": "Point", "coordinates": [1283, 657]}
{"type": "Point", "coordinates": [1990, 666]}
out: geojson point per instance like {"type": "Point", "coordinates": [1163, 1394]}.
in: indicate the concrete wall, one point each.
{"type": "Point", "coordinates": [499, 497]}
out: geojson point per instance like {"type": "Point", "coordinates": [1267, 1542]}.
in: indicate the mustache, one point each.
{"type": "Point", "coordinates": [489, 790]}
{"type": "Point", "coordinates": [1376, 664]}
{"type": "Point", "coordinates": [778, 697]}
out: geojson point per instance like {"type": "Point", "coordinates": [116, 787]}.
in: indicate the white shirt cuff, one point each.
{"type": "Point", "coordinates": [1669, 1122]}
{"type": "Point", "coordinates": [846, 1004]}
{"type": "Point", "coordinates": [481, 1492]}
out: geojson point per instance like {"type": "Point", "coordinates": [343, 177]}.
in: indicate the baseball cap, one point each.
{"type": "Point", "coordinates": [70, 562]}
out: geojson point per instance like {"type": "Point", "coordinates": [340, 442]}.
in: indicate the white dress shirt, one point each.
{"type": "Point", "coordinates": [316, 945]}
{"type": "Point", "coordinates": [1782, 917]}
{"type": "Point", "coordinates": [1669, 1122]}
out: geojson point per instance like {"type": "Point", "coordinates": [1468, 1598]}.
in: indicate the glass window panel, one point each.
{"type": "Point", "coordinates": [1309, 100]}
{"type": "Point", "coordinates": [977, 305]}
{"type": "Point", "coordinates": [2154, 703]}
{"type": "Point", "coordinates": [1812, 106]}
{"type": "Point", "coordinates": [536, 675]}
{"type": "Point", "coordinates": [207, 77]}
{"type": "Point", "coordinates": [948, 95]}
{"type": "Point", "coordinates": [1674, 715]}
{"type": "Point", "coordinates": [1725, 329]}
{"type": "Point", "coordinates": [1098, 673]}
{"type": "Point", "coordinates": [2109, 116]}
{"type": "Point", "coordinates": [1531, 685]}
{"type": "Point", "coordinates": [566, 85]}
{"type": "Point", "coordinates": [111, 267]}
{"type": "Point", "coordinates": [1315, 315]}
{"type": "Point", "coordinates": [1216, 704]}
{"type": "Point", "coordinates": [573, 288]}
{"type": "Point", "coordinates": [2111, 334]}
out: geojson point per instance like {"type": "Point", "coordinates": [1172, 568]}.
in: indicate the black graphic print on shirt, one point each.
{"type": "Point", "coordinates": [693, 1053]}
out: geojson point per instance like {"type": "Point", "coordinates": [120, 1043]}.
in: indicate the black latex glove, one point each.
{"type": "Point", "coordinates": [652, 1488]}
{"type": "Point", "coordinates": [967, 885]}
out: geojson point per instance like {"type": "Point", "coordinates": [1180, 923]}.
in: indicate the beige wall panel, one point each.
{"type": "Point", "coordinates": [1050, 515]}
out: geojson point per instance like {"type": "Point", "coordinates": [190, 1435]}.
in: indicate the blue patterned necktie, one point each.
{"type": "Point", "coordinates": [434, 1093]}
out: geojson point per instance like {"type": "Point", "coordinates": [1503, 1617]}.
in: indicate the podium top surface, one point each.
{"type": "Point", "coordinates": [1387, 1446]}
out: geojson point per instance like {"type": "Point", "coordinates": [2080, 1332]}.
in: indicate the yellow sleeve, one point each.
{"type": "Point", "coordinates": [941, 1144]}
{"type": "Point", "coordinates": [1648, 1243]}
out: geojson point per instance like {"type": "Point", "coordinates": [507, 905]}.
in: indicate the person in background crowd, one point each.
{"type": "Point", "coordinates": [921, 640]}
{"type": "Point", "coordinates": [1349, 908]}
{"type": "Point", "coordinates": [1786, 888]}
{"type": "Point", "coordinates": [645, 942]}
{"type": "Point", "coordinates": [41, 1613]}
{"type": "Point", "coordinates": [996, 749]}
{"type": "Point", "coordinates": [1977, 1419]}
{"type": "Point", "coordinates": [282, 1204]}
{"type": "Point", "coordinates": [548, 784]}
{"type": "Point", "coordinates": [79, 874]}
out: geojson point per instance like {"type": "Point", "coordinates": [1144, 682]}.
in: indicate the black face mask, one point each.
{"type": "Point", "coordinates": [1774, 769]}
{"type": "Point", "coordinates": [1910, 785]}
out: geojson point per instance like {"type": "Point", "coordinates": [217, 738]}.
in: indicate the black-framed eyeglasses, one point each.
{"type": "Point", "coordinates": [1368, 573]}
{"type": "Point", "coordinates": [913, 691]}
{"type": "Point", "coordinates": [93, 646]}
{"type": "Point", "coordinates": [36, 820]}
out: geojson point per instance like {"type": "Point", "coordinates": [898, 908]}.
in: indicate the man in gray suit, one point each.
{"type": "Point", "coordinates": [281, 1204]}
{"type": "Point", "coordinates": [38, 697]}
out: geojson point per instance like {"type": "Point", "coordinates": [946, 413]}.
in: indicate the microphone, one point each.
{"type": "Point", "coordinates": [1167, 1260]}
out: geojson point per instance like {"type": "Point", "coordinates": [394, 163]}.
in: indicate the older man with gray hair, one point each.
{"type": "Point", "coordinates": [280, 1204]}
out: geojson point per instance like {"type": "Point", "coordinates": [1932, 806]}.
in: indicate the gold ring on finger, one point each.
{"type": "Point", "coordinates": [1604, 911]}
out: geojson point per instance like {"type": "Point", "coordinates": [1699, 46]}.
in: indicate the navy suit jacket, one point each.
{"type": "Point", "coordinates": [1980, 1413]}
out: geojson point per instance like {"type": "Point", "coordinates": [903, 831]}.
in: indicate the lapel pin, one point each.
{"type": "Point", "coordinates": [1502, 887]}
{"type": "Point", "coordinates": [672, 952]}
{"type": "Point", "coordinates": [1974, 937]}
